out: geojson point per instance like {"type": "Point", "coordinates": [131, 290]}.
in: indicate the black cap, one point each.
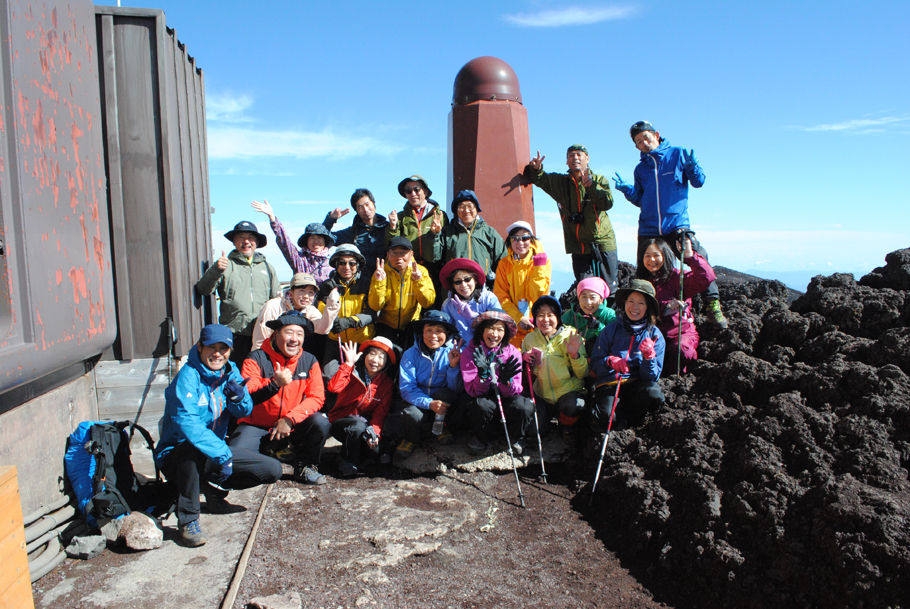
{"type": "Point", "coordinates": [400, 242]}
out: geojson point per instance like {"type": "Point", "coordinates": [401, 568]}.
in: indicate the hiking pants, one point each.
{"type": "Point", "coordinates": [483, 415]}
{"type": "Point", "coordinates": [349, 431]}
{"type": "Point", "coordinates": [568, 409]}
{"type": "Point", "coordinates": [636, 399]}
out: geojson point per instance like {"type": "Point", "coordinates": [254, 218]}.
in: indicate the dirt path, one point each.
{"type": "Point", "coordinates": [456, 540]}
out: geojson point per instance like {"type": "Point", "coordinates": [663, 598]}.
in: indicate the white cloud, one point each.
{"type": "Point", "coordinates": [571, 15]}
{"type": "Point", "coordinates": [247, 143]}
{"type": "Point", "coordinates": [861, 125]}
{"type": "Point", "coordinates": [227, 107]}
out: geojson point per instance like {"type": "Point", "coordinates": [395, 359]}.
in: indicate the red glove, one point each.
{"type": "Point", "coordinates": [647, 348]}
{"type": "Point", "coordinates": [618, 364]}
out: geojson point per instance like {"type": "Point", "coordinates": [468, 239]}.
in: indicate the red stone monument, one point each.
{"type": "Point", "coordinates": [488, 142]}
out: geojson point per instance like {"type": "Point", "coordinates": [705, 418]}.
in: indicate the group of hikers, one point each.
{"type": "Point", "coordinates": [419, 325]}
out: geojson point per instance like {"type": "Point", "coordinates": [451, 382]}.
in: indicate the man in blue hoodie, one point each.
{"type": "Point", "coordinates": [191, 451]}
{"type": "Point", "coordinates": [661, 191]}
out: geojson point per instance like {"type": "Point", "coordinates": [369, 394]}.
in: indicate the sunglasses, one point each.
{"type": "Point", "coordinates": [517, 238]}
{"type": "Point", "coordinates": [408, 191]}
{"type": "Point", "coordinates": [461, 281]}
{"type": "Point", "coordinates": [346, 263]}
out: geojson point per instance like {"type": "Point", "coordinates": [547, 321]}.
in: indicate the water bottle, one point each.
{"type": "Point", "coordinates": [438, 424]}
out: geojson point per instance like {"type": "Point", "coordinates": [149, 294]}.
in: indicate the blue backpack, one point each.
{"type": "Point", "coordinates": [99, 469]}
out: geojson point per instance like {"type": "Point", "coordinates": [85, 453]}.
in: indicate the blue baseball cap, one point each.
{"type": "Point", "coordinates": [216, 333]}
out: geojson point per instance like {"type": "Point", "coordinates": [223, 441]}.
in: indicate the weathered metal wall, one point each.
{"type": "Point", "coordinates": [56, 285]}
{"type": "Point", "coordinates": [154, 126]}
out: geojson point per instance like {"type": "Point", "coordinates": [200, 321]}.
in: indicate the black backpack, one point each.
{"type": "Point", "coordinates": [99, 468]}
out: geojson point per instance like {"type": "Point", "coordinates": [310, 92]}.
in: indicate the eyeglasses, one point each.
{"type": "Point", "coordinates": [408, 191]}
{"type": "Point", "coordinates": [461, 281]}
{"type": "Point", "coordinates": [518, 238]}
{"type": "Point", "coordinates": [346, 263]}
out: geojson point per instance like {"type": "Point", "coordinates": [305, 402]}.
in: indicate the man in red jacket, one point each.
{"type": "Point", "coordinates": [286, 385]}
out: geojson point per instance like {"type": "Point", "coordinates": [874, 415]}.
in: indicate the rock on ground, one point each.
{"type": "Point", "coordinates": [777, 475]}
{"type": "Point", "coordinates": [140, 532]}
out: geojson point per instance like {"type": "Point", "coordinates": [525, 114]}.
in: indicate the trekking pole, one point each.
{"type": "Point", "coordinates": [682, 305]}
{"type": "Point", "coordinates": [502, 417]}
{"type": "Point", "coordinates": [543, 469]}
{"type": "Point", "coordinates": [603, 447]}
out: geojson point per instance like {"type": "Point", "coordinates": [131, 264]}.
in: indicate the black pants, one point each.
{"type": "Point", "coordinates": [712, 292]}
{"type": "Point", "coordinates": [349, 431]}
{"type": "Point", "coordinates": [185, 467]}
{"type": "Point", "coordinates": [568, 409]}
{"type": "Point", "coordinates": [636, 399]}
{"type": "Point", "coordinates": [408, 422]}
{"type": "Point", "coordinates": [243, 344]}
{"type": "Point", "coordinates": [486, 423]}
{"type": "Point", "coordinates": [604, 264]}
{"type": "Point", "coordinates": [308, 438]}
{"type": "Point", "coordinates": [403, 338]}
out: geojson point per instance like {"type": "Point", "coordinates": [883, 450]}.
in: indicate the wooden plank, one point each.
{"type": "Point", "coordinates": [15, 583]}
{"type": "Point", "coordinates": [137, 373]}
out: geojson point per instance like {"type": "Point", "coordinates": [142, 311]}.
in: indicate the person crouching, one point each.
{"type": "Point", "coordinates": [287, 389]}
{"type": "Point", "coordinates": [364, 387]}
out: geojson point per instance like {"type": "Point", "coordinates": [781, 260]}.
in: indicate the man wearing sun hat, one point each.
{"type": "Point", "coordinates": [244, 281]}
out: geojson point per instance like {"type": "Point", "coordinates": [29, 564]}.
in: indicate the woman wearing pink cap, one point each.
{"type": "Point", "coordinates": [590, 314]}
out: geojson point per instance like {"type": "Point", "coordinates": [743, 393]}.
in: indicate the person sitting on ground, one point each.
{"type": "Point", "coordinates": [198, 406]}
{"type": "Point", "coordinates": [661, 191]}
{"type": "Point", "coordinates": [363, 385]}
{"type": "Point", "coordinates": [631, 351]}
{"type": "Point", "coordinates": [556, 355]}
{"type": "Point", "coordinates": [419, 222]}
{"type": "Point", "coordinates": [583, 199]}
{"type": "Point", "coordinates": [244, 281]}
{"type": "Point", "coordinates": [314, 244]}
{"type": "Point", "coordinates": [286, 384]}
{"type": "Point", "coordinates": [429, 383]}
{"type": "Point", "coordinates": [348, 282]}
{"type": "Point", "coordinates": [657, 266]}
{"type": "Point", "coordinates": [398, 290]}
{"type": "Point", "coordinates": [299, 298]}
{"type": "Point", "coordinates": [468, 297]}
{"type": "Point", "coordinates": [522, 277]}
{"type": "Point", "coordinates": [470, 237]}
{"type": "Point", "coordinates": [367, 232]}
{"type": "Point", "coordinates": [491, 366]}
{"type": "Point", "coordinates": [590, 312]}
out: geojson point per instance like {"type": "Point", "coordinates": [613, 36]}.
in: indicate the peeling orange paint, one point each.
{"type": "Point", "coordinates": [77, 276]}
{"type": "Point", "coordinates": [59, 276]}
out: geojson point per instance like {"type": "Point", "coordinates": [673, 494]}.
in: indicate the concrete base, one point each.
{"type": "Point", "coordinates": [33, 438]}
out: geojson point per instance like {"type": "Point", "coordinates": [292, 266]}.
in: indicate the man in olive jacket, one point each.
{"type": "Point", "coordinates": [245, 281]}
{"type": "Point", "coordinates": [583, 198]}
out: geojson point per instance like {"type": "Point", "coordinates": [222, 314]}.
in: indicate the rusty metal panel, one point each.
{"type": "Point", "coordinates": [56, 283]}
{"type": "Point", "coordinates": [159, 187]}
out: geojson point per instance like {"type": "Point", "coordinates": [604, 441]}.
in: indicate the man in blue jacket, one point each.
{"type": "Point", "coordinates": [661, 191]}
{"type": "Point", "coordinates": [191, 451]}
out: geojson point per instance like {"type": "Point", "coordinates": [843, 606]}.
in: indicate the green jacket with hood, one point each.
{"type": "Point", "coordinates": [557, 374]}
{"type": "Point", "coordinates": [480, 243]}
{"type": "Point", "coordinates": [243, 287]}
{"type": "Point", "coordinates": [572, 198]}
{"type": "Point", "coordinates": [418, 231]}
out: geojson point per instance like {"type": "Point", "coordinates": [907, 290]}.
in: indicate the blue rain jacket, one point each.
{"type": "Point", "coordinates": [615, 339]}
{"type": "Point", "coordinates": [423, 372]}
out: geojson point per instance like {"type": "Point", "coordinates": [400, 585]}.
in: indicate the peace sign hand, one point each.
{"type": "Point", "coordinates": [537, 162]}
{"type": "Point", "coordinates": [436, 226]}
{"type": "Point", "coordinates": [415, 271]}
{"type": "Point", "coordinates": [379, 274]}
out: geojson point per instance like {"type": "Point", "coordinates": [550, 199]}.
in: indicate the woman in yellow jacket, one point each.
{"type": "Point", "coordinates": [522, 277]}
{"type": "Point", "coordinates": [398, 290]}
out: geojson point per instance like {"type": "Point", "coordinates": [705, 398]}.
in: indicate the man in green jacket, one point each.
{"type": "Point", "coordinates": [583, 198]}
{"type": "Point", "coordinates": [245, 281]}
{"type": "Point", "coordinates": [468, 236]}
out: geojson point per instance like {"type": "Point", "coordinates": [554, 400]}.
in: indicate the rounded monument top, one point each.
{"type": "Point", "coordinates": [486, 78]}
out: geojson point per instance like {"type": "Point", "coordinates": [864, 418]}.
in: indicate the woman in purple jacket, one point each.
{"type": "Point", "coordinates": [490, 365]}
{"type": "Point", "coordinates": [658, 266]}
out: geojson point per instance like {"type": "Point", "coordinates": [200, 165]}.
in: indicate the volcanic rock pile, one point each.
{"type": "Point", "coordinates": [777, 475]}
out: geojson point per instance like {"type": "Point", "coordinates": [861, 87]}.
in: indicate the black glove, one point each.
{"type": "Point", "coordinates": [344, 323]}
{"type": "Point", "coordinates": [482, 363]}
{"type": "Point", "coordinates": [219, 473]}
{"type": "Point", "coordinates": [508, 369]}
{"type": "Point", "coordinates": [234, 391]}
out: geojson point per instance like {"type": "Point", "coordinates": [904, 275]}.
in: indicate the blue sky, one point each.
{"type": "Point", "coordinates": [795, 111]}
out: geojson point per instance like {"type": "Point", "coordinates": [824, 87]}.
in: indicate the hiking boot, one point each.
{"type": "Point", "coordinates": [191, 535]}
{"type": "Point", "coordinates": [346, 469]}
{"type": "Point", "coordinates": [445, 438]}
{"type": "Point", "coordinates": [476, 445]}
{"type": "Point", "coordinates": [308, 474]}
{"type": "Point", "coordinates": [713, 309]}
{"type": "Point", "coordinates": [519, 446]}
{"type": "Point", "coordinates": [404, 450]}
